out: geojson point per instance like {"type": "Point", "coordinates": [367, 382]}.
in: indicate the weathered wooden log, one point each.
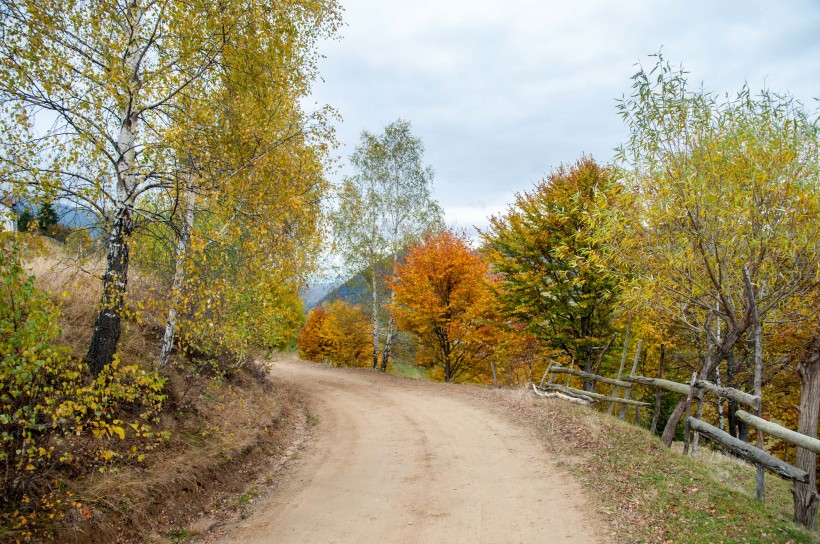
{"type": "Point", "coordinates": [675, 387]}
{"type": "Point", "coordinates": [747, 451]}
{"type": "Point", "coordinates": [575, 393]}
{"type": "Point", "coordinates": [582, 374]}
{"type": "Point", "coordinates": [730, 393]}
{"type": "Point", "coordinates": [778, 431]}
{"type": "Point", "coordinates": [555, 395]}
{"type": "Point", "coordinates": [596, 396]}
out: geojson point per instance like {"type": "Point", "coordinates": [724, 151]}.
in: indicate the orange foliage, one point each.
{"type": "Point", "coordinates": [443, 295]}
{"type": "Point", "coordinates": [338, 332]}
{"type": "Point", "coordinates": [308, 339]}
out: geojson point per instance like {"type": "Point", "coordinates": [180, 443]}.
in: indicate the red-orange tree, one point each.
{"type": "Point", "coordinates": [443, 295]}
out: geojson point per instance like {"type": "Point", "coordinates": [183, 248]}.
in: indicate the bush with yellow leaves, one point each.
{"type": "Point", "coordinates": [54, 417]}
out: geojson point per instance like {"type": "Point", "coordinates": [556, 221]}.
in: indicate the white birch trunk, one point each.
{"type": "Point", "coordinates": [373, 285]}
{"type": "Point", "coordinates": [107, 325]}
{"type": "Point", "coordinates": [183, 246]}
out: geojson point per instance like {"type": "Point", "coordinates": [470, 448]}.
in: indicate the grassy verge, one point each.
{"type": "Point", "coordinates": [408, 370]}
{"type": "Point", "coordinates": [644, 492]}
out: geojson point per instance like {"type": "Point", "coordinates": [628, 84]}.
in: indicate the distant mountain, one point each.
{"type": "Point", "coordinates": [356, 290]}
{"type": "Point", "coordinates": [313, 294]}
{"type": "Point", "coordinates": [75, 218]}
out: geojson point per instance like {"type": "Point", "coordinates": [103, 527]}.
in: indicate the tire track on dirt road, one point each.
{"type": "Point", "coordinates": [402, 461]}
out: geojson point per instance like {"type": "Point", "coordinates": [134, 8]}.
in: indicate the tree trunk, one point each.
{"type": "Point", "coordinates": [107, 326]}
{"type": "Point", "coordinates": [656, 416]}
{"type": "Point", "coordinates": [388, 343]}
{"type": "Point", "coordinates": [623, 362]}
{"type": "Point", "coordinates": [495, 376]}
{"type": "Point", "coordinates": [391, 326]}
{"type": "Point", "coordinates": [588, 368]}
{"type": "Point", "coordinates": [179, 278]}
{"type": "Point", "coordinates": [628, 391]}
{"type": "Point", "coordinates": [108, 323]}
{"type": "Point", "coordinates": [374, 288]}
{"type": "Point", "coordinates": [805, 494]}
{"type": "Point", "coordinates": [672, 423]}
{"type": "Point", "coordinates": [730, 382]}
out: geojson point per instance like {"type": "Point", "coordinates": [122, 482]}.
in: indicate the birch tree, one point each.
{"type": "Point", "coordinates": [253, 173]}
{"type": "Point", "coordinates": [90, 91]}
{"type": "Point", "coordinates": [384, 207]}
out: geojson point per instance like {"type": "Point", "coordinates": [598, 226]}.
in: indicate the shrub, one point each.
{"type": "Point", "coordinates": [338, 333]}
{"type": "Point", "coordinates": [54, 417]}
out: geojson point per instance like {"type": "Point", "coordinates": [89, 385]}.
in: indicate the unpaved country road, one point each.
{"type": "Point", "coordinates": [401, 461]}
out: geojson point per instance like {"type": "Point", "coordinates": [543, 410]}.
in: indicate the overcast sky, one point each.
{"type": "Point", "coordinates": [501, 92]}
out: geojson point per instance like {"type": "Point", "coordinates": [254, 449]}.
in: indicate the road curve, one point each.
{"type": "Point", "coordinates": [402, 461]}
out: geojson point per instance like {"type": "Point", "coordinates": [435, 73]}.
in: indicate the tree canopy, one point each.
{"type": "Point", "coordinates": [546, 250]}
{"type": "Point", "coordinates": [443, 295]}
{"type": "Point", "coordinates": [384, 207]}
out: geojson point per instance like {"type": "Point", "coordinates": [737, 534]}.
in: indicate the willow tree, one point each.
{"type": "Point", "coordinates": [89, 91]}
{"type": "Point", "coordinates": [546, 251]}
{"type": "Point", "coordinates": [719, 184]}
{"type": "Point", "coordinates": [384, 207]}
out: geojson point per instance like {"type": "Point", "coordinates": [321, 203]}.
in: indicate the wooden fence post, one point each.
{"type": "Point", "coordinates": [657, 414]}
{"type": "Point", "coordinates": [629, 389]}
{"type": "Point", "coordinates": [687, 411]}
{"type": "Point", "coordinates": [760, 485]}
{"type": "Point", "coordinates": [614, 392]}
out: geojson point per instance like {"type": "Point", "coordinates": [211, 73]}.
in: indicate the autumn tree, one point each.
{"type": "Point", "coordinates": [309, 339]}
{"type": "Point", "coordinates": [443, 295]}
{"type": "Point", "coordinates": [384, 207]}
{"type": "Point", "coordinates": [336, 332]}
{"type": "Point", "coordinates": [546, 252]}
{"type": "Point", "coordinates": [719, 184]}
{"type": "Point", "coordinates": [250, 212]}
{"type": "Point", "coordinates": [112, 78]}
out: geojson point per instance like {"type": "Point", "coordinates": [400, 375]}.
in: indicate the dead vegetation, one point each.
{"type": "Point", "coordinates": [226, 427]}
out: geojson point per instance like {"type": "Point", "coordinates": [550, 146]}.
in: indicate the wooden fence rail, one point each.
{"type": "Point", "coordinates": [694, 390]}
{"type": "Point", "coordinates": [793, 437]}
{"type": "Point", "coordinates": [747, 451]}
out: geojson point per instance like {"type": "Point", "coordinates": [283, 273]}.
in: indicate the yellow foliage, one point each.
{"type": "Point", "coordinates": [338, 332]}
{"type": "Point", "coordinates": [50, 408]}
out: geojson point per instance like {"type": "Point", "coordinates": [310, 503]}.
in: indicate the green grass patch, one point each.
{"type": "Point", "coordinates": [177, 535]}
{"type": "Point", "coordinates": [244, 499]}
{"type": "Point", "coordinates": [408, 370]}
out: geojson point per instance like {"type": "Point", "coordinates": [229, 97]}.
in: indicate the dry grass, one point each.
{"type": "Point", "coordinates": [223, 427]}
{"type": "Point", "coordinates": [647, 493]}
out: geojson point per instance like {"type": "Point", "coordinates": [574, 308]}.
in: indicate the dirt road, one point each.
{"type": "Point", "coordinates": [401, 461]}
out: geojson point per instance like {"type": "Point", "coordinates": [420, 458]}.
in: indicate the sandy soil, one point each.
{"type": "Point", "coordinates": [402, 461]}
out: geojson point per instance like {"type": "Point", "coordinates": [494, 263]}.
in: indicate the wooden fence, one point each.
{"type": "Point", "coordinates": [694, 426]}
